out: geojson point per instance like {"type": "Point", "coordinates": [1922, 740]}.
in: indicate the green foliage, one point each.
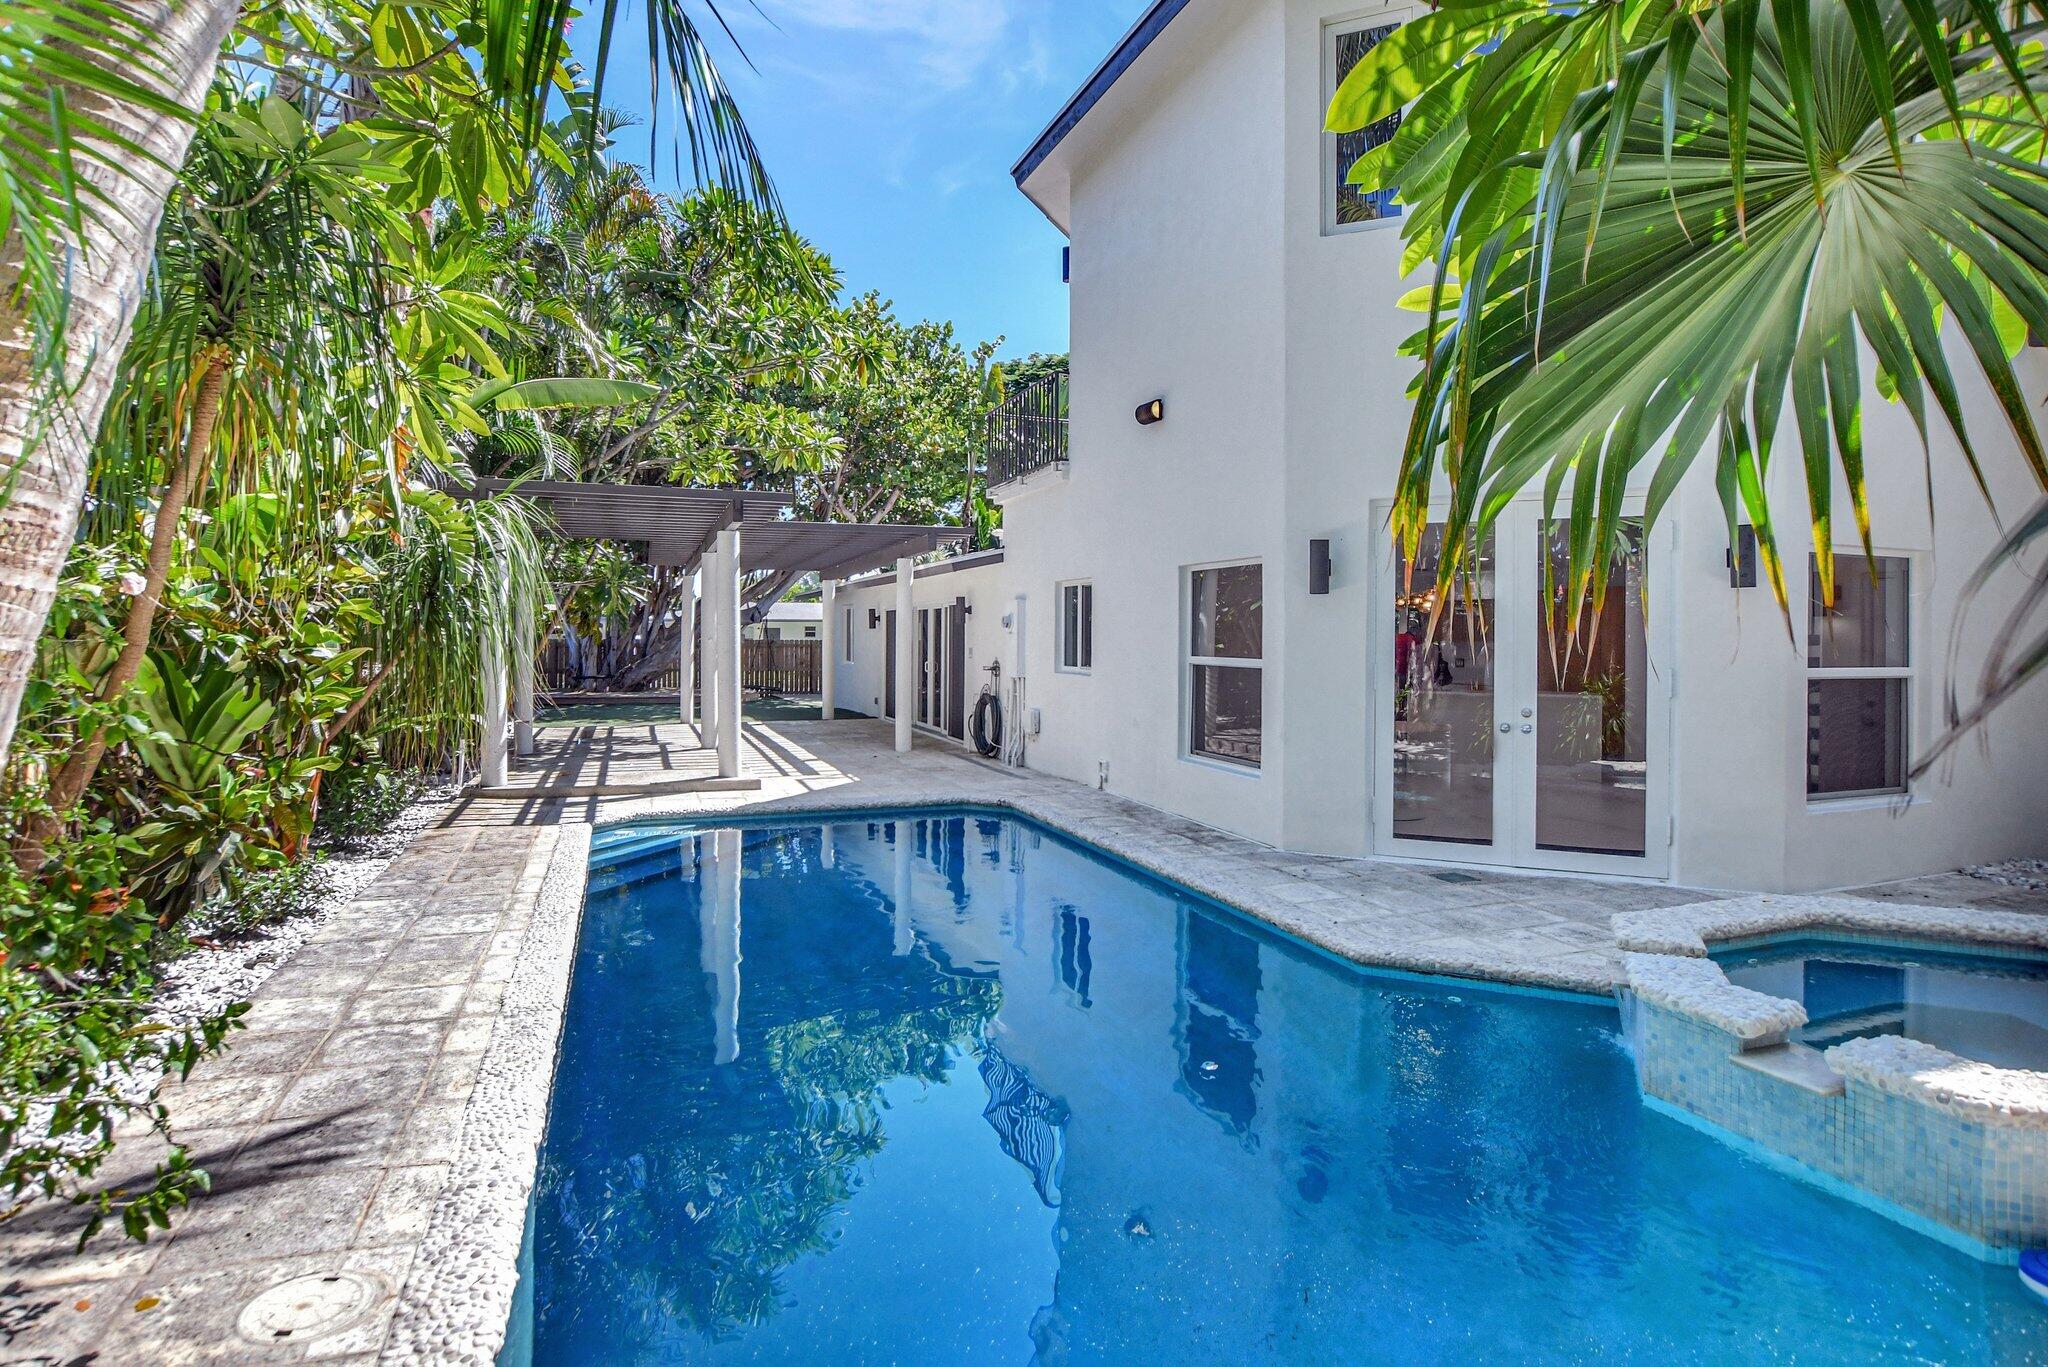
{"type": "Point", "coordinates": [265, 896]}
{"type": "Point", "coordinates": [362, 797]}
{"type": "Point", "coordinates": [1655, 227]}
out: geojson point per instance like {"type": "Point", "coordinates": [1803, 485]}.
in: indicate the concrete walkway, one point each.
{"type": "Point", "coordinates": [330, 1126]}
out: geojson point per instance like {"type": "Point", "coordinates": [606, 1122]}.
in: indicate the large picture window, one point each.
{"type": "Point", "coordinates": [1077, 628]}
{"type": "Point", "coordinates": [1859, 675]}
{"type": "Point", "coordinates": [1345, 206]}
{"type": "Point", "coordinates": [1226, 651]}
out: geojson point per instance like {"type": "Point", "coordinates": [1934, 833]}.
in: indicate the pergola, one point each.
{"type": "Point", "coordinates": [717, 536]}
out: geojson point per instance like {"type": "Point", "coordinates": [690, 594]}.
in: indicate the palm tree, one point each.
{"type": "Point", "coordinates": [1655, 227]}
{"type": "Point", "coordinates": [98, 102]}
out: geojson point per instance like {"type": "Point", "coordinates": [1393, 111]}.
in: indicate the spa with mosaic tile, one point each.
{"type": "Point", "coordinates": [1950, 1144]}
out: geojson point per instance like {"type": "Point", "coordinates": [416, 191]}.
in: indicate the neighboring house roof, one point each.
{"type": "Point", "coordinates": [796, 612]}
{"type": "Point", "coordinates": [1149, 26]}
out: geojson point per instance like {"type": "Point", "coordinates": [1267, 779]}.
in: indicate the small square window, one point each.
{"type": "Point", "coordinates": [1077, 627]}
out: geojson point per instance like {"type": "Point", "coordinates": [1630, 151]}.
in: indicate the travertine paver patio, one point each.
{"type": "Point", "coordinates": [333, 1125]}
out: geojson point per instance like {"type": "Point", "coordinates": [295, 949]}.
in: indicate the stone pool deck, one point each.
{"type": "Point", "coordinates": [371, 1133]}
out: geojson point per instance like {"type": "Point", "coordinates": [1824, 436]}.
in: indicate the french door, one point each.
{"type": "Point", "coordinates": [932, 648]}
{"type": "Point", "coordinates": [1512, 733]}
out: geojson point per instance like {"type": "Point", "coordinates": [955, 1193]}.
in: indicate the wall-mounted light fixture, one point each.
{"type": "Point", "coordinates": [1149, 413]}
{"type": "Point", "coordinates": [966, 608]}
{"type": "Point", "coordinates": [1318, 568]}
{"type": "Point", "coordinates": [1742, 558]}
{"type": "Point", "coordinates": [874, 618]}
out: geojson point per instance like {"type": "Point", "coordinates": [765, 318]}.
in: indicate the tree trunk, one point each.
{"type": "Point", "coordinates": [186, 472]}
{"type": "Point", "coordinates": [46, 439]}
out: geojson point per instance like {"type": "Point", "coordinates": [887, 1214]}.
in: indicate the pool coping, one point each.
{"type": "Point", "coordinates": [1665, 959]}
{"type": "Point", "coordinates": [456, 1306]}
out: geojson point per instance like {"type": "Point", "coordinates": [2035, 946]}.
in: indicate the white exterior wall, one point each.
{"type": "Point", "coordinates": [980, 582]}
{"type": "Point", "coordinates": [1176, 295]}
{"type": "Point", "coordinates": [1193, 197]}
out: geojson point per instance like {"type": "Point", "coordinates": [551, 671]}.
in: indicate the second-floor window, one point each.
{"type": "Point", "coordinates": [1345, 206]}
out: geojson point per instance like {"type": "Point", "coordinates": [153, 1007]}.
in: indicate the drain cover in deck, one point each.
{"type": "Point", "coordinates": [310, 1307]}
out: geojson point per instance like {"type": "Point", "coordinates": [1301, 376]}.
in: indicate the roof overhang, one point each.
{"type": "Point", "coordinates": [1052, 198]}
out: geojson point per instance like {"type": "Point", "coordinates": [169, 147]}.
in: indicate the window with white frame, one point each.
{"type": "Point", "coordinates": [1077, 627]}
{"type": "Point", "coordinates": [1345, 206]}
{"type": "Point", "coordinates": [1225, 664]}
{"type": "Point", "coordinates": [1859, 679]}
{"type": "Point", "coordinates": [846, 637]}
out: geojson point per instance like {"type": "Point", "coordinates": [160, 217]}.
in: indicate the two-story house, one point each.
{"type": "Point", "coordinates": [1198, 605]}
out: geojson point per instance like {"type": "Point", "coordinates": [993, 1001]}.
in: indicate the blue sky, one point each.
{"type": "Point", "coordinates": [891, 126]}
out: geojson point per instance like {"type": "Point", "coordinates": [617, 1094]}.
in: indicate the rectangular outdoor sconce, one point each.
{"type": "Point", "coordinates": [1149, 413]}
{"type": "Point", "coordinates": [1742, 558]}
{"type": "Point", "coordinates": [874, 618]}
{"type": "Point", "coordinates": [1318, 568]}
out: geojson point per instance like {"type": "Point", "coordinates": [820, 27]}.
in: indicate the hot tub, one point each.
{"type": "Point", "coordinates": [1984, 1003]}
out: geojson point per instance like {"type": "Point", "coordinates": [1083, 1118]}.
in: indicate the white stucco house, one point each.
{"type": "Point", "coordinates": [1198, 606]}
{"type": "Point", "coordinates": [787, 621]}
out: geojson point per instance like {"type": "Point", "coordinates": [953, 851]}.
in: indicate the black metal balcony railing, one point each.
{"type": "Point", "coordinates": [1028, 431]}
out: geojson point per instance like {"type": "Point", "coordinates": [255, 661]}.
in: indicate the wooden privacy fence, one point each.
{"type": "Point", "coordinates": [783, 667]}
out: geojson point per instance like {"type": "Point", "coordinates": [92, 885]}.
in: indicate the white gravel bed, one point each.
{"type": "Point", "coordinates": [2030, 874]}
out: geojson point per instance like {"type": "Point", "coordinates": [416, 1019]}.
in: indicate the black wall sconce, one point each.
{"type": "Point", "coordinates": [966, 608]}
{"type": "Point", "coordinates": [1149, 413]}
{"type": "Point", "coordinates": [1742, 558]}
{"type": "Point", "coordinates": [874, 618]}
{"type": "Point", "coordinates": [1318, 568]}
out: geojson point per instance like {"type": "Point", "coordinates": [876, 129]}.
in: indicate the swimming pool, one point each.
{"type": "Point", "coordinates": [947, 1087]}
{"type": "Point", "coordinates": [1989, 1005]}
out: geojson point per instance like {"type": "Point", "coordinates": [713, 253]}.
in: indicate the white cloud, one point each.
{"type": "Point", "coordinates": [946, 43]}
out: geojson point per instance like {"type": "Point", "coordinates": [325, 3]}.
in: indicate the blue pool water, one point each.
{"type": "Point", "coordinates": [949, 1088]}
{"type": "Point", "coordinates": [1987, 1005]}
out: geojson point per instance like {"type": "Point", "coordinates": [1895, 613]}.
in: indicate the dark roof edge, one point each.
{"type": "Point", "coordinates": [973, 560]}
{"type": "Point", "coordinates": [1148, 27]}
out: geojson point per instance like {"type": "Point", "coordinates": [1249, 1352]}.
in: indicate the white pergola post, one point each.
{"type": "Point", "coordinates": [732, 718]}
{"type": "Point", "coordinates": [686, 662]}
{"type": "Point", "coordinates": [522, 680]}
{"type": "Point", "coordinates": [710, 660]}
{"type": "Point", "coordinates": [492, 759]}
{"type": "Point", "coordinates": [906, 654]}
{"type": "Point", "coordinates": [828, 685]}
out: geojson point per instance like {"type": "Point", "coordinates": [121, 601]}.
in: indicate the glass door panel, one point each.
{"type": "Point", "coordinates": [1592, 705]}
{"type": "Point", "coordinates": [1443, 751]}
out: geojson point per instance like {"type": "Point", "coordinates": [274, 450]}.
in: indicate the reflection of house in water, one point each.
{"type": "Point", "coordinates": [1216, 1023]}
{"type": "Point", "coordinates": [1026, 1121]}
{"type": "Point", "coordinates": [1077, 960]}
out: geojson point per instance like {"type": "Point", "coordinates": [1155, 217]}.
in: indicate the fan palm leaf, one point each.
{"type": "Point", "coordinates": [1761, 200]}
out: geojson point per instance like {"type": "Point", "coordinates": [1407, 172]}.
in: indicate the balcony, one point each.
{"type": "Point", "coordinates": [1028, 432]}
